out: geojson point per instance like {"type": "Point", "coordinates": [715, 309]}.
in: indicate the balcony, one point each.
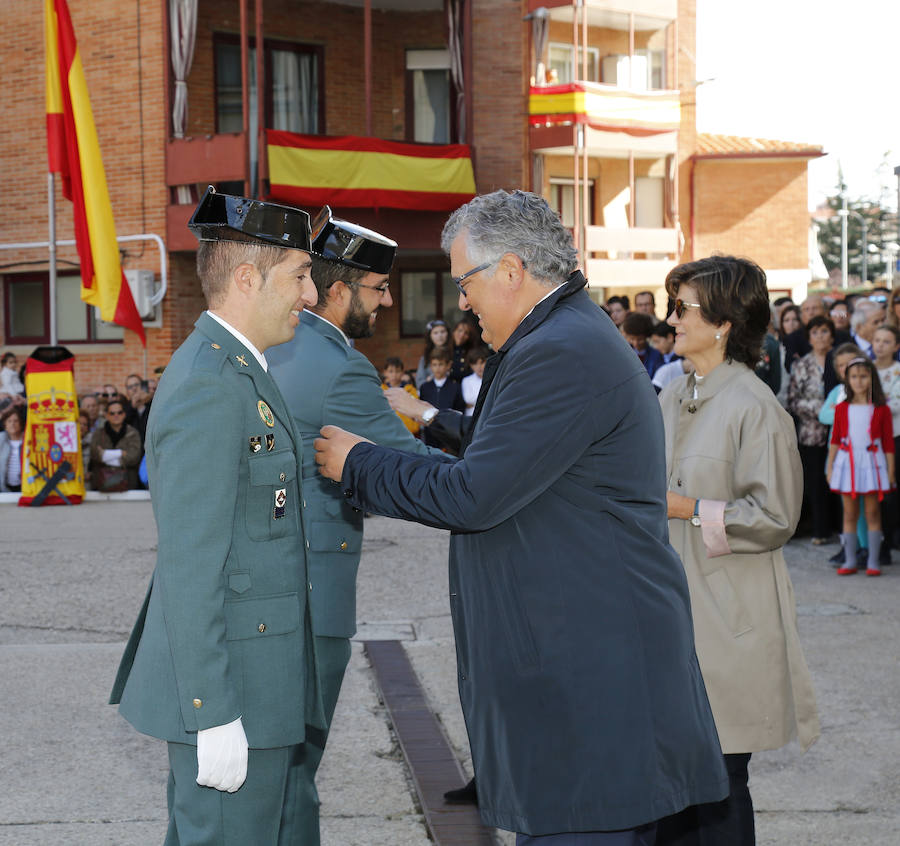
{"type": "Point", "coordinates": [621, 267]}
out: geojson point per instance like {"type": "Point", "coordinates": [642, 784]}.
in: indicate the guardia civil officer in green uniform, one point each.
{"type": "Point", "coordinates": [220, 660]}
{"type": "Point", "coordinates": [325, 380]}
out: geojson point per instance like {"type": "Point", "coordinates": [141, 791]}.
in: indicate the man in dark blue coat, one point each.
{"type": "Point", "coordinates": [586, 711]}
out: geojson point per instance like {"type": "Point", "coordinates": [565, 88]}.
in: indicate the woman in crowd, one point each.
{"type": "Point", "coordinates": [11, 440]}
{"type": "Point", "coordinates": [893, 310]}
{"type": "Point", "coordinates": [115, 452]}
{"type": "Point", "coordinates": [788, 321]}
{"type": "Point", "coordinates": [806, 395]}
{"type": "Point", "coordinates": [733, 501]}
{"type": "Point", "coordinates": [617, 308]}
{"type": "Point", "coordinates": [462, 343]}
{"type": "Point", "coordinates": [436, 335]}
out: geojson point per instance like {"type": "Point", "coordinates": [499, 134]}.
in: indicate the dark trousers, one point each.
{"type": "Point", "coordinates": [815, 487]}
{"type": "Point", "coordinates": [644, 835]}
{"type": "Point", "coordinates": [725, 823]}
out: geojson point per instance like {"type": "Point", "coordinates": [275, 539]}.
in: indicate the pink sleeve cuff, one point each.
{"type": "Point", "coordinates": [712, 525]}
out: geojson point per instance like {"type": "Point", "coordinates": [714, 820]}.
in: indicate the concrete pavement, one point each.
{"type": "Point", "coordinates": [73, 772]}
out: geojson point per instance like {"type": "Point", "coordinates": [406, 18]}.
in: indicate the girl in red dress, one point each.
{"type": "Point", "coordinates": [861, 459]}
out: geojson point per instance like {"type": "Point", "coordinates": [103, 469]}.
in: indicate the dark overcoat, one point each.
{"type": "Point", "coordinates": [579, 683]}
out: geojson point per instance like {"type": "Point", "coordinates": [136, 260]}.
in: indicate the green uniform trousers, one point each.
{"type": "Point", "coordinates": [301, 807]}
{"type": "Point", "coordinates": [204, 816]}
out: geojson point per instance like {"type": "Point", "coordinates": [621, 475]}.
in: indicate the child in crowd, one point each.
{"type": "Point", "coordinates": [885, 344]}
{"type": "Point", "coordinates": [471, 384]}
{"type": "Point", "coordinates": [861, 459]}
{"type": "Point", "coordinates": [393, 378]}
{"type": "Point", "coordinates": [841, 357]}
{"type": "Point", "coordinates": [10, 383]}
{"type": "Point", "coordinates": [439, 390]}
{"type": "Point", "coordinates": [662, 339]}
{"type": "Point", "coordinates": [637, 328]}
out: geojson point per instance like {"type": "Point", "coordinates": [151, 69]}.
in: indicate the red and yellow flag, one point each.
{"type": "Point", "coordinates": [73, 151]}
{"type": "Point", "coordinates": [352, 171]}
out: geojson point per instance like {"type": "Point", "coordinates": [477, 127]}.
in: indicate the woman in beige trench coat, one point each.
{"type": "Point", "coordinates": [735, 487]}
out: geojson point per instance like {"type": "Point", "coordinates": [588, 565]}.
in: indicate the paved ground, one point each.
{"type": "Point", "coordinates": [74, 774]}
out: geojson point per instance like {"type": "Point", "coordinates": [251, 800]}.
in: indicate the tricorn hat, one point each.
{"type": "Point", "coordinates": [269, 223]}
{"type": "Point", "coordinates": [347, 243]}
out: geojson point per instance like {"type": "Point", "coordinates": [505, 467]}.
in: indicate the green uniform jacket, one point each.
{"type": "Point", "coordinates": [326, 381]}
{"type": "Point", "coordinates": [224, 631]}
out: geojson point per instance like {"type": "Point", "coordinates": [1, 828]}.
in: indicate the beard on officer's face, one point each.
{"type": "Point", "coordinates": [358, 322]}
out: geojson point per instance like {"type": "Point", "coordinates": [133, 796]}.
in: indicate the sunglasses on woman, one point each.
{"type": "Point", "coordinates": [681, 307]}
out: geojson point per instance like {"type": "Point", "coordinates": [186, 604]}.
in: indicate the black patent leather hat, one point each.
{"type": "Point", "coordinates": [347, 243]}
{"type": "Point", "coordinates": [269, 223]}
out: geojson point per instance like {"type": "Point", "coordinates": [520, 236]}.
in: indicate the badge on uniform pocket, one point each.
{"type": "Point", "coordinates": [280, 499]}
{"type": "Point", "coordinates": [255, 443]}
{"type": "Point", "coordinates": [270, 443]}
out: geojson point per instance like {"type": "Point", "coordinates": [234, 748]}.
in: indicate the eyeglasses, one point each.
{"type": "Point", "coordinates": [458, 280]}
{"type": "Point", "coordinates": [382, 289]}
{"type": "Point", "coordinates": [878, 298]}
{"type": "Point", "coordinates": [681, 307]}
{"type": "Point", "coordinates": [114, 413]}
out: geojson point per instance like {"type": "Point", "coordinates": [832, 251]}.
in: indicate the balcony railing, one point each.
{"type": "Point", "coordinates": [619, 267]}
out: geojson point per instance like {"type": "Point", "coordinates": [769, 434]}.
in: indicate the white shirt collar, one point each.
{"type": "Point", "coordinates": [256, 353]}
{"type": "Point", "coordinates": [326, 320]}
{"type": "Point", "coordinates": [542, 299]}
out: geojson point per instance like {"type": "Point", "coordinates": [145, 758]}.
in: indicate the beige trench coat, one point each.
{"type": "Point", "coordinates": [735, 449]}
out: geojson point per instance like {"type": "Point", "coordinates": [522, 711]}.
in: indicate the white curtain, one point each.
{"type": "Point", "coordinates": [454, 22]}
{"type": "Point", "coordinates": [540, 28]}
{"type": "Point", "coordinates": [182, 35]}
{"type": "Point", "coordinates": [183, 32]}
{"type": "Point", "coordinates": [295, 100]}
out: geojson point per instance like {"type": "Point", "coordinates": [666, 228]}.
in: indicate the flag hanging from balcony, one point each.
{"type": "Point", "coordinates": [355, 172]}
{"type": "Point", "coordinates": [73, 151]}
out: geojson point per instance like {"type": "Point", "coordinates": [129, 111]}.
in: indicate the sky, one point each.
{"type": "Point", "coordinates": [825, 73]}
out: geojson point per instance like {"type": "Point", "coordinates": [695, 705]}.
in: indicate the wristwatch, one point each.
{"type": "Point", "coordinates": [695, 518]}
{"type": "Point", "coordinates": [428, 415]}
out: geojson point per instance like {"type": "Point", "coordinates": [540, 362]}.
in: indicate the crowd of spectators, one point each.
{"type": "Point", "coordinates": [799, 362]}
{"type": "Point", "coordinates": [112, 425]}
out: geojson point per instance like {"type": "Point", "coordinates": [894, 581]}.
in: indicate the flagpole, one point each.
{"type": "Point", "coordinates": [51, 208]}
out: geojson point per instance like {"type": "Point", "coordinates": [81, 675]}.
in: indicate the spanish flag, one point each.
{"type": "Point", "coordinates": [353, 171]}
{"type": "Point", "coordinates": [73, 151]}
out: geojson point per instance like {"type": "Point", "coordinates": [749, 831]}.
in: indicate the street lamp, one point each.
{"type": "Point", "coordinates": [890, 257]}
{"type": "Point", "coordinates": [843, 212]}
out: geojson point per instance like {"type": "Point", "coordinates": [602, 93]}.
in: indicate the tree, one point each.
{"type": "Point", "coordinates": [882, 229]}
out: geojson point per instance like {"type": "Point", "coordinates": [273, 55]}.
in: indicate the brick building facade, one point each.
{"type": "Point", "coordinates": [703, 198]}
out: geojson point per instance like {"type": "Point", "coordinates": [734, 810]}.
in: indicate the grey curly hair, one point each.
{"type": "Point", "coordinates": [520, 223]}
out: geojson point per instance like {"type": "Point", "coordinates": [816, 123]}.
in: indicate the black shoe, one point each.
{"type": "Point", "coordinates": [838, 558]}
{"type": "Point", "coordinates": [463, 795]}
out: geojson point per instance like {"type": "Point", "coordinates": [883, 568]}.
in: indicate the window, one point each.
{"type": "Point", "coordinates": [429, 96]}
{"type": "Point", "coordinates": [295, 92]}
{"type": "Point", "coordinates": [645, 71]}
{"type": "Point", "coordinates": [426, 294]}
{"type": "Point", "coordinates": [27, 317]}
{"type": "Point", "coordinates": [562, 195]}
{"type": "Point", "coordinates": [294, 88]}
{"type": "Point", "coordinates": [560, 60]}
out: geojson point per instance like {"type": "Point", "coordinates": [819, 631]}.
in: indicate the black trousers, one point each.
{"type": "Point", "coordinates": [815, 487]}
{"type": "Point", "coordinates": [725, 823]}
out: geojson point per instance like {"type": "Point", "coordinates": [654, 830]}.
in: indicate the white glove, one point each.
{"type": "Point", "coordinates": [112, 457]}
{"type": "Point", "coordinates": [222, 756]}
